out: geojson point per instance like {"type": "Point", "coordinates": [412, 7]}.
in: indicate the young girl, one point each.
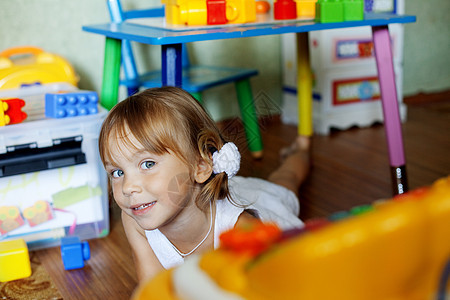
{"type": "Point", "coordinates": [171, 174]}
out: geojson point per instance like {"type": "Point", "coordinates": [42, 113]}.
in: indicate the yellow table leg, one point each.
{"type": "Point", "coordinates": [304, 86]}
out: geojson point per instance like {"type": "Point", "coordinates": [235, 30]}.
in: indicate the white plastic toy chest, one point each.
{"type": "Point", "coordinates": [52, 183]}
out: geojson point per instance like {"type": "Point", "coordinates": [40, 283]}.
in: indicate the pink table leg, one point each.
{"type": "Point", "coordinates": [392, 122]}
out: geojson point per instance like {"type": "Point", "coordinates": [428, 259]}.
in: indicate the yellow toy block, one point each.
{"type": "Point", "coordinates": [172, 14]}
{"type": "Point", "coordinates": [192, 12]}
{"type": "Point", "coordinates": [14, 260]}
{"type": "Point", "coordinates": [4, 118]}
{"type": "Point", "coordinates": [241, 11]}
{"type": "Point", "coordinates": [306, 8]}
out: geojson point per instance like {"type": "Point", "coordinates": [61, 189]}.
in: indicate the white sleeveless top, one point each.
{"type": "Point", "coordinates": [269, 201]}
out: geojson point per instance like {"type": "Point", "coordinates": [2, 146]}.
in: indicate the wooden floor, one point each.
{"type": "Point", "coordinates": [349, 168]}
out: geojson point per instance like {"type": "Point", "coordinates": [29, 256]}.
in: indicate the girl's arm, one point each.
{"type": "Point", "coordinates": [146, 263]}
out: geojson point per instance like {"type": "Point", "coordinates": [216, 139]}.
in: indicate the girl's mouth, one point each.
{"type": "Point", "coordinates": [142, 208]}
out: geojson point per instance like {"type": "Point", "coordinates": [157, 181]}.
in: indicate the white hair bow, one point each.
{"type": "Point", "coordinates": [227, 159]}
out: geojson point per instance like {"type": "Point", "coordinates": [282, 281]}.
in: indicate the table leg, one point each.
{"type": "Point", "coordinates": [171, 60]}
{"type": "Point", "coordinates": [392, 122]}
{"type": "Point", "coordinates": [304, 86]}
{"type": "Point", "coordinates": [129, 68]}
{"type": "Point", "coordinates": [111, 73]}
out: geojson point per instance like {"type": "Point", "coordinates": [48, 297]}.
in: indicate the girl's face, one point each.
{"type": "Point", "coordinates": [153, 189]}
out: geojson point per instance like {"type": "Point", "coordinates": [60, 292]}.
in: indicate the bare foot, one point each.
{"type": "Point", "coordinates": [301, 143]}
{"type": "Point", "coordinates": [295, 165]}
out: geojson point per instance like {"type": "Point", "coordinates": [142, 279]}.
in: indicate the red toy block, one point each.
{"type": "Point", "coordinates": [216, 12]}
{"type": "Point", "coordinates": [14, 111]}
{"type": "Point", "coordinates": [285, 10]}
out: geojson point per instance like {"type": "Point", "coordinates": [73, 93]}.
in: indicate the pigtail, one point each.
{"type": "Point", "coordinates": [216, 187]}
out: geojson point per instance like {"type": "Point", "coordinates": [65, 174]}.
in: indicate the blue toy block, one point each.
{"type": "Point", "coordinates": [71, 104]}
{"type": "Point", "coordinates": [74, 252]}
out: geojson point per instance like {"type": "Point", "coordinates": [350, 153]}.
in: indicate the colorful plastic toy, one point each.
{"type": "Point", "coordinates": [329, 11]}
{"type": "Point", "coordinates": [353, 10]}
{"type": "Point", "coordinates": [216, 12]}
{"type": "Point", "coordinates": [21, 66]}
{"type": "Point", "coordinates": [241, 11]}
{"type": "Point", "coordinates": [262, 6]}
{"type": "Point", "coordinates": [14, 110]}
{"type": "Point", "coordinates": [394, 249]}
{"type": "Point", "coordinates": [193, 12]}
{"type": "Point", "coordinates": [74, 252]}
{"type": "Point", "coordinates": [14, 260]}
{"type": "Point", "coordinates": [209, 12]}
{"type": "Point", "coordinates": [284, 10]}
{"type": "Point", "coordinates": [306, 8]}
{"type": "Point", "coordinates": [4, 118]}
{"type": "Point", "coordinates": [71, 104]}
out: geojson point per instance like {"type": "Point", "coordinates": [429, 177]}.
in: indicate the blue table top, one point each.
{"type": "Point", "coordinates": [161, 36]}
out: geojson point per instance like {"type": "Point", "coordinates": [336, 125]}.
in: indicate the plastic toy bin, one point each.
{"type": "Point", "coordinates": [52, 183]}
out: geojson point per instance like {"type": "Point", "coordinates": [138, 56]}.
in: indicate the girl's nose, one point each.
{"type": "Point", "coordinates": [131, 185]}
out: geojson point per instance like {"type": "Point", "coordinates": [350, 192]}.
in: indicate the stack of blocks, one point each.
{"type": "Point", "coordinates": [14, 260]}
{"type": "Point", "coordinates": [292, 9]}
{"type": "Point", "coordinates": [328, 11]}
{"type": "Point", "coordinates": [209, 12]}
{"type": "Point", "coordinates": [74, 252]}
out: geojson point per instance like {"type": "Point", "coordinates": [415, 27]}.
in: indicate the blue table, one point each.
{"type": "Point", "coordinates": [171, 40]}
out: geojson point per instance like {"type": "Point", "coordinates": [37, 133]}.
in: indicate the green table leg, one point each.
{"type": "Point", "coordinates": [249, 117]}
{"type": "Point", "coordinates": [111, 73]}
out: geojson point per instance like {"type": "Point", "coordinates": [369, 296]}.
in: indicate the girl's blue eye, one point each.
{"type": "Point", "coordinates": [117, 173]}
{"type": "Point", "coordinates": [147, 164]}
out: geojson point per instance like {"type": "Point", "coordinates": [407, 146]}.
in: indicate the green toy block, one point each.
{"type": "Point", "coordinates": [353, 10]}
{"type": "Point", "coordinates": [329, 11]}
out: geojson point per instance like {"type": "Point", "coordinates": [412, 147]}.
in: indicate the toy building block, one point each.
{"type": "Point", "coordinates": [329, 11]}
{"type": "Point", "coordinates": [71, 104]}
{"type": "Point", "coordinates": [284, 10]}
{"type": "Point", "coordinates": [74, 252]}
{"type": "Point", "coordinates": [306, 8]}
{"type": "Point", "coordinates": [183, 12]}
{"type": "Point", "coordinates": [14, 111]}
{"type": "Point", "coordinates": [193, 12]}
{"type": "Point", "coordinates": [172, 13]}
{"type": "Point", "coordinates": [4, 118]}
{"type": "Point", "coordinates": [216, 12]}
{"type": "Point", "coordinates": [241, 11]}
{"type": "Point", "coordinates": [14, 260]}
{"type": "Point", "coordinates": [353, 10]}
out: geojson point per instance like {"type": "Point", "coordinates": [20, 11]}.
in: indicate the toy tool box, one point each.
{"type": "Point", "coordinates": [52, 183]}
{"type": "Point", "coordinates": [28, 65]}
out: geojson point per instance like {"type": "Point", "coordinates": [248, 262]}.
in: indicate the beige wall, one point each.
{"type": "Point", "coordinates": [55, 25]}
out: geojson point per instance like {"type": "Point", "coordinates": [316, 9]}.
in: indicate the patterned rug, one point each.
{"type": "Point", "coordinates": [36, 287]}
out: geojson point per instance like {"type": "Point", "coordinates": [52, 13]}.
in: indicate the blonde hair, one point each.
{"type": "Point", "coordinates": [163, 119]}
